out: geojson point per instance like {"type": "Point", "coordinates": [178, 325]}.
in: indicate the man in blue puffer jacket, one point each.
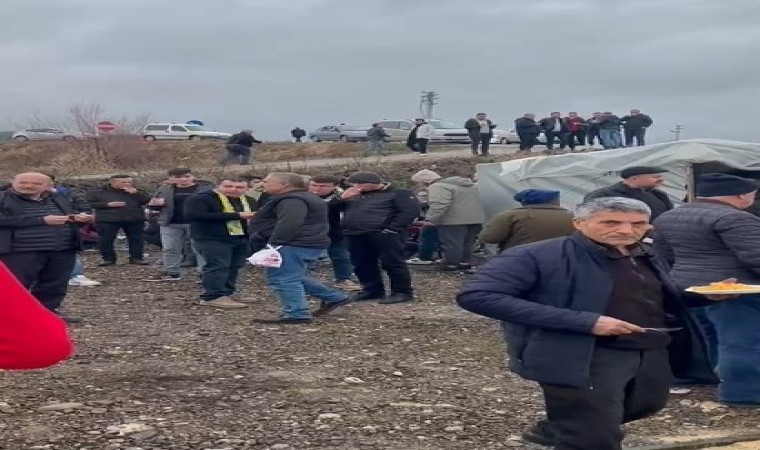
{"type": "Point", "coordinates": [590, 317]}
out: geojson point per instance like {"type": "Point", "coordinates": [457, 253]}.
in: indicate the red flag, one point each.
{"type": "Point", "coordinates": [31, 337]}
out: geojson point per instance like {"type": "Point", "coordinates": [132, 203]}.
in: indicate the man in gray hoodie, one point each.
{"type": "Point", "coordinates": [376, 140]}
{"type": "Point", "coordinates": [456, 211]}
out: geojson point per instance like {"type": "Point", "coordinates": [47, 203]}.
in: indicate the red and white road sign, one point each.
{"type": "Point", "coordinates": [106, 126]}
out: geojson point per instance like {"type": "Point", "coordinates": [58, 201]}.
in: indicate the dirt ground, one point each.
{"type": "Point", "coordinates": [155, 370]}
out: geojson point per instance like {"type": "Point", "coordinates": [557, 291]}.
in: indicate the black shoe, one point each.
{"type": "Point", "coordinates": [364, 296]}
{"type": "Point", "coordinates": [139, 262]}
{"type": "Point", "coordinates": [284, 321]}
{"type": "Point", "coordinates": [163, 277]}
{"type": "Point", "coordinates": [397, 298]}
{"type": "Point", "coordinates": [541, 435]}
{"type": "Point", "coordinates": [71, 320]}
{"type": "Point", "coordinates": [106, 263]}
{"type": "Point", "coordinates": [325, 308]}
{"type": "Point", "coordinates": [466, 268]}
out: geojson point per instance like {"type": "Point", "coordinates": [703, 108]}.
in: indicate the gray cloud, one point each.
{"type": "Point", "coordinates": [271, 65]}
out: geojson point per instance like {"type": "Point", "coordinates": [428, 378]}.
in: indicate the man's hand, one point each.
{"type": "Point", "coordinates": [157, 201]}
{"type": "Point", "coordinates": [425, 223]}
{"type": "Point", "coordinates": [130, 190]}
{"type": "Point", "coordinates": [246, 215]}
{"type": "Point", "coordinates": [608, 326]}
{"type": "Point", "coordinates": [720, 297]}
{"type": "Point", "coordinates": [116, 204]}
{"type": "Point", "coordinates": [56, 220]}
{"type": "Point", "coordinates": [82, 218]}
{"type": "Point", "coordinates": [350, 193]}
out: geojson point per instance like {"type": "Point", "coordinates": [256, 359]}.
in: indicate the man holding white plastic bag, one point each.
{"type": "Point", "coordinates": [294, 222]}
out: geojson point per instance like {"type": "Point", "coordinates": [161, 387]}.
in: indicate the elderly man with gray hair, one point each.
{"type": "Point", "coordinates": [594, 319]}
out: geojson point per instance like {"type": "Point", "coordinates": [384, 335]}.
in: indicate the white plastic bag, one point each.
{"type": "Point", "coordinates": [268, 257]}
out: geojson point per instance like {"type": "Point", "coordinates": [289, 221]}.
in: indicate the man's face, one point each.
{"type": "Point", "coordinates": [635, 112]}
{"type": "Point", "coordinates": [321, 188]}
{"type": "Point", "coordinates": [481, 117]}
{"type": "Point", "coordinates": [182, 180]}
{"type": "Point", "coordinates": [573, 115]}
{"type": "Point", "coordinates": [556, 115]}
{"type": "Point", "coordinates": [121, 183]}
{"type": "Point", "coordinates": [255, 183]}
{"type": "Point", "coordinates": [31, 184]}
{"type": "Point", "coordinates": [273, 185]}
{"type": "Point", "coordinates": [614, 228]}
{"type": "Point", "coordinates": [233, 188]}
{"type": "Point", "coordinates": [530, 116]}
{"type": "Point", "coordinates": [419, 122]}
{"type": "Point", "coordinates": [647, 180]}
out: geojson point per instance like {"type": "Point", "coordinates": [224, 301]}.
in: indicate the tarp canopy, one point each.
{"type": "Point", "coordinates": [576, 174]}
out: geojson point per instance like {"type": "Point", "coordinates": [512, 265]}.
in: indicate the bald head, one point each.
{"type": "Point", "coordinates": [32, 184]}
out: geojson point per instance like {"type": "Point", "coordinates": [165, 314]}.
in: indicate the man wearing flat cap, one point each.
{"type": "Point", "coordinates": [639, 183]}
{"type": "Point", "coordinates": [375, 218]}
{"type": "Point", "coordinates": [712, 239]}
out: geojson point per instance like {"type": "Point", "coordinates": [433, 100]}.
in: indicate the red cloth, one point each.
{"type": "Point", "coordinates": [574, 124]}
{"type": "Point", "coordinates": [31, 337]}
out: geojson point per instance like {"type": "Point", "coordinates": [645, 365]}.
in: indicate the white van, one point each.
{"type": "Point", "coordinates": [180, 132]}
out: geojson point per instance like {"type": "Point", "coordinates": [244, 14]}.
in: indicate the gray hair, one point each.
{"type": "Point", "coordinates": [290, 179]}
{"type": "Point", "coordinates": [611, 204]}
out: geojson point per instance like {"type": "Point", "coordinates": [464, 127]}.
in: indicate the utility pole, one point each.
{"type": "Point", "coordinates": [426, 103]}
{"type": "Point", "coordinates": [677, 132]}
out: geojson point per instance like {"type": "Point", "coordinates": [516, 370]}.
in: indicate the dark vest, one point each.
{"type": "Point", "coordinates": [312, 234]}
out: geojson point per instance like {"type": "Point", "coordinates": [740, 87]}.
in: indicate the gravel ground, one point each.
{"type": "Point", "coordinates": [156, 371]}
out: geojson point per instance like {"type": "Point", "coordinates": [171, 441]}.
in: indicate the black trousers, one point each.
{"type": "Point", "coordinates": [561, 135]}
{"type": "Point", "coordinates": [634, 133]}
{"type": "Point", "coordinates": [370, 252]}
{"type": "Point", "coordinates": [627, 385]}
{"type": "Point", "coordinates": [527, 141]}
{"type": "Point", "coordinates": [576, 138]}
{"type": "Point", "coordinates": [224, 259]}
{"type": "Point", "coordinates": [107, 232]}
{"type": "Point", "coordinates": [483, 140]}
{"type": "Point", "coordinates": [238, 153]}
{"type": "Point", "coordinates": [422, 145]}
{"type": "Point", "coordinates": [45, 274]}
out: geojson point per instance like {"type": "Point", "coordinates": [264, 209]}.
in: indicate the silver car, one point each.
{"type": "Point", "coordinates": [43, 134]}
{"type": "Point", "coordinates": [345, 133]}
{"type": "Point", "coordinates": [511, 137]}
{"type": "Point", "coordinates": [442, 131]}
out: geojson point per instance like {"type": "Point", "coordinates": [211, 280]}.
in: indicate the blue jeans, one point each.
{"type": "Point", "coordinates": [341, 260]}
{"type": "Point", "coordinates": [737, 323]}
{"type": "Point", "coordinates": [78, 269]}
{"type": "Point", "coordinates": [223, 261]}
{"type": "Point", "coordinates": [428, 243]}
{"type": "Point", "coordinates": [610, 138]}
{"type": "Point", "coordinates": [292, 284]}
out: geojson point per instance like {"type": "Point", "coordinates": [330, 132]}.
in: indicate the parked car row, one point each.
{"type": "Point", "coordinates": [45, 134]}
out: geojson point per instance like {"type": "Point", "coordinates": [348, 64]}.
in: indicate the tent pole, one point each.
{"type": "Point", "coordinates": [690, 181]}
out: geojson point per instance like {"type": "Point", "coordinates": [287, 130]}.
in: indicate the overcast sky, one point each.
{"type": "Point", "coordinates": [273, 64]}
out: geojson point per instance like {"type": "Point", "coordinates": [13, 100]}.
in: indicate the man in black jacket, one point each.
{"type": "Point", "coordinates": [375, 218]}
{"type": "Point", "coordinates": [39, 237]}
{"type": "Point", "coordinates": [595, 320]}
{"type": "Point", "coordinates": [326, 188]}
{"type": "Point", "coordinates": [219, 229]}
{"type": "Point", "coordinates": [294, 221]}
{"type": "Point", "coordinates": [119, 206]}
{"type": "Point", "coordinates": [480, 129]}
{"type": "Point", "coordinates": [639, 183]}
{"type": "Point", "coordinates": [298, 133]}
{"type": "Point", "coordinates": [635, 127]}
{"type": "Point", "coordinates": [527, 130]}
{"type": "Point", "coordinates": [239, 148]}
{"type": "Point", "coordinates": [555, 126]}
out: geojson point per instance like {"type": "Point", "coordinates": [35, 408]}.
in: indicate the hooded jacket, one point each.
{"type": "Point", "coordinates": [454, 201]}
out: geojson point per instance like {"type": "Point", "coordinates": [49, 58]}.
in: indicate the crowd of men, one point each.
{"type": "Point", "coordinates": [598, 292]}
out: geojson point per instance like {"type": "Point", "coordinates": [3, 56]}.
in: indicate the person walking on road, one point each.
{"type": "Point", "coordinates": [298, 134]}
{"type": "Point", "coordinates": [527, 130]}
{"type": "Point", "coordinates": [635, 127]}
{"type": "Point", "coordinates": [219, 229]}
{"type": "Point", "coordinates": [456, 212]}
{"type": "Point", "coordinates": [239, 148]}
{"type": "Point", "coordinates": [376, 137]}
{"type": "Point", "coordinates": [170, 201]}
{"type": "Point", "coordinates": [119, 205]}
{"type": "Point", "coordinates": [376, 216]}
{"type": "Point", "coordinates": [39, 238]}
{"type": "Point", "coordinates": [594, 319]}
{"type": "Point", "coordinates": [480, 129]}
{"type": "Point", "coordinates": [295, 222]}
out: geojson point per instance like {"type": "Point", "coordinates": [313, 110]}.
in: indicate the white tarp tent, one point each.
{"type": "Point", "coordinates": [576, 174]}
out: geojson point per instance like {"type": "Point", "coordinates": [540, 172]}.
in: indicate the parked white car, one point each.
{"type": "Point", "coordinates": [180, 132]}
{"type": "Point", "coordinates": [443, 131]}
{"type": "Point", "coordinates": [510, 137]}
{"type": "Point", "coordinates": [45, 134]}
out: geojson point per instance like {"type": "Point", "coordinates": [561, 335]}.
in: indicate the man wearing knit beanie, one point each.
{"type": "Point", "coordinates": [713, 239]}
